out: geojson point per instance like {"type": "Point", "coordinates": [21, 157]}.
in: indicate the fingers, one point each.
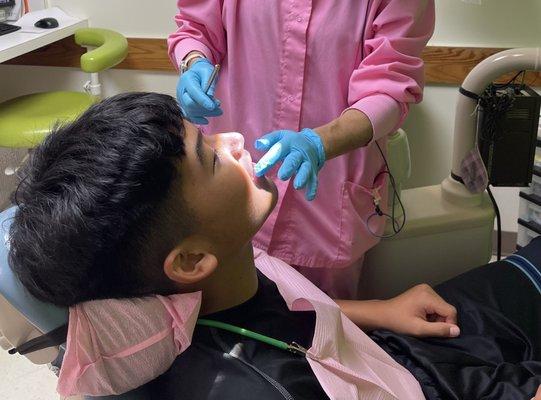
{"type": "Point", "coordinates": [276, 153]}
{"type": "Point", "coordinates": [440, 307]}
{"type": "Point", "coordinates": [268, 161]}
{"type": "Point", "coordinates": [180, 92]}
{"type": "Point", "coordinates": [212, 87]}
{"type": "Point", "coordinates": [198, 120]}
{"type": "Point", "coordinates": [303, 175]}
{"type": "Point", "coordinates": [290, 165]}
{"type": "Point", "coordinates": [200, 97]}
{"type": "Point", "coordinates": [193, 111]}
{"type": "Point", "coordinates": [264, 143]}
{"type": "Point", "coordinates": [312, 188]}
{"type": "Point", "coordinates": [435, 329]}
{"type": "Point", "coordinates": [214, 113]}
{"type": "Point", "coordinates": [203, 75]}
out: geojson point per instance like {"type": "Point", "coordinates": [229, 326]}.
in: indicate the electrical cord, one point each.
{"type": "Point", "coordinates": [495, 103]}
{"type": "Point", "coordinates": [498, 222]}
{"type": "Point", "coordinates": [396, 224]}
{"type": "Point", "coordinates": [363, 32]}
{"type": "Point", "coordinates": [512, 80]}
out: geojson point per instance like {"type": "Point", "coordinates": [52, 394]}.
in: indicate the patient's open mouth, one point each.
{"type": "Point", "coordinates": [246, 162]}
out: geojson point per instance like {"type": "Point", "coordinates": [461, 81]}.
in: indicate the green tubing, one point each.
{"type": "Point", "coordinates": [244, 332]}
{"type": "Point", "coordinates": [111, 48]}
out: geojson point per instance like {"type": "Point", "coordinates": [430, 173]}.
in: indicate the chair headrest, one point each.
{"type": "Point", "coordinates": [111, 48]}
{"type": "Point", "coordinates": [45, 317]}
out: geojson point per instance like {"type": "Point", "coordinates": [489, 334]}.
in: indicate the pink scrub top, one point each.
{"type": "Point", "coordinates": [300, 64]}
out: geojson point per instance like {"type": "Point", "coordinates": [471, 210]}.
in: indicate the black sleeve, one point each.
{"type": "Point", "coordinates": [498, 354]}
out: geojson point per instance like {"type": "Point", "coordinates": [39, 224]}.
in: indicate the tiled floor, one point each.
{"type": "Point", "coordinates": [22, 380]}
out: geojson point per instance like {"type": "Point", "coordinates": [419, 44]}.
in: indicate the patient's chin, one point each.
{"type": "Point", "coordinates": [267, 185]}
{"type": "Point", "coordinates": [262, 182]}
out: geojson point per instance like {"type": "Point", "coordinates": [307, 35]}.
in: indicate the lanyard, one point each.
{"type": "Point", "coordinates": [292, 347]}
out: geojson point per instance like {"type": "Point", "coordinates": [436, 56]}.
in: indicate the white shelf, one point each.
{"type": "Point", "coordinates": [29, 38]}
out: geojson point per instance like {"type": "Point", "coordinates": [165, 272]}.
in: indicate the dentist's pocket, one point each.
{"type": "Point", "coordinates": [359, 227]}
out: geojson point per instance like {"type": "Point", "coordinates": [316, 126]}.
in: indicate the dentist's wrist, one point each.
{"type": "Point", "coordinates": [348, 132]}
{"type": "Point", "coordinates": [190, 59]}
{"type": "Point", "coordinates": [315, 139]}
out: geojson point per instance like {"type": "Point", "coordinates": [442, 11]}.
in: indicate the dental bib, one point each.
{"type": "Point", "coordinates": [116, 345]}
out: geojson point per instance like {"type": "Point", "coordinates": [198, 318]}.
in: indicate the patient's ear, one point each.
{"type": "Point", "coordinates": [189, 264]}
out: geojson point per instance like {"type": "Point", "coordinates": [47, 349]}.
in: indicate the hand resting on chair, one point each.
{"type": "Point", "coordinates": [419, 311]}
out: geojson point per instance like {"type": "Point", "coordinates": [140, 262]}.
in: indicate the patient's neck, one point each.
{"type": "Point", "coordinates": [234, 282]}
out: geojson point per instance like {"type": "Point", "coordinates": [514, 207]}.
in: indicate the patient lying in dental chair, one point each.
{"type": "Point", "coordinates": [133, 202]}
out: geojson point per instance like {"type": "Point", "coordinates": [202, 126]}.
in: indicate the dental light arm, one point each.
{"type": "Point", "coordinates": [465, 117]}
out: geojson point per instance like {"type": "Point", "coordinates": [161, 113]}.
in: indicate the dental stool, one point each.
{"type": "Point", "coordinates": [23, 317]}
{"type": "Point", "coordinates": [26, 120]}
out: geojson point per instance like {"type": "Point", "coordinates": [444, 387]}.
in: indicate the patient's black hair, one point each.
{"type": "Point", "coordinates": [95, 217]}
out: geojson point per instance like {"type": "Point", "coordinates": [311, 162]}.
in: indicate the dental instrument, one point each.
{"type": "Point", "coordinates": [213, 77]}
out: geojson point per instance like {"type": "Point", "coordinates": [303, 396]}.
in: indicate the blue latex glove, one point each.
{"type": "Point", "coordinates": [194, 102]}
{"type": "Point", "coordinates": [303, 155]}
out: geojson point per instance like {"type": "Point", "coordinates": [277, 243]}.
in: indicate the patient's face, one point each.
{"type": "Point", "coordinates": [217, 183]}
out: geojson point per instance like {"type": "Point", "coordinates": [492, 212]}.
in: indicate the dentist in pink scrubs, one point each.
{"type": "Point", "coordinates": [314, 86]}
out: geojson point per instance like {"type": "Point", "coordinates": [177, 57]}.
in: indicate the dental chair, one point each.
{"type": "Point", "coordinates": [24, 123]}
{"type": "Point", "coordinates": [23, 317]}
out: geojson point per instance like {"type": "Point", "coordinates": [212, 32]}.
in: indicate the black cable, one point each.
{"type": "Point", "coordinates": [494, 106]}
{"type": "Point", "coordinates": [397, 226]}
{"type": "Point", "coordinates": [364, 28]}
{"type": "Point", "coordinates": [498, 222]}
{"type": "Point", "coordinates": [495, 102]}
{"type": "Point", "coordinates": [512, 80]}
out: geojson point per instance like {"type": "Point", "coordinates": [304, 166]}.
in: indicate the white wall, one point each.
{"type": "Point", "coordinates": [496, 23]}
{"type": "Point", "coordinates": [133, 18]}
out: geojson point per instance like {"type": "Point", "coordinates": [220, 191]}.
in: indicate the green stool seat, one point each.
{"type": "Point", "coordinates": [26, 120]}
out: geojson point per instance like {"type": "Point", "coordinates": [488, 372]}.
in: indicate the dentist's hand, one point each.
{"type": "Point", "coordinates": [194, 102]}
{"type": "Point", "coordinates": [303, 154]}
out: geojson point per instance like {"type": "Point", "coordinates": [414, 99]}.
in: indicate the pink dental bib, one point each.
{"type": "Point", "coordinates": [116, 345]}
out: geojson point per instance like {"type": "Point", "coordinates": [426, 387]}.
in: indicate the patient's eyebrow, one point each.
{"type": "Point", "coordinates": [199, 147]}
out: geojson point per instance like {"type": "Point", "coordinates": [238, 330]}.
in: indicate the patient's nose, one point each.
{"type": "Point", "coordinates": [232, 142]}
